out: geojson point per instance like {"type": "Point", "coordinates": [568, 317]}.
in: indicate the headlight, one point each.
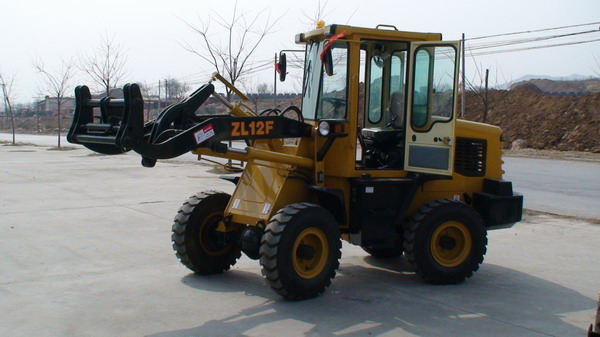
{"type": "Point", "coordinates": [323, 129]}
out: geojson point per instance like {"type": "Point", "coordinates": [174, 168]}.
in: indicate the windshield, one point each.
{"type": "Point", "coordinates": [325, 96]}
{"type": "Point", "coordinates": [312, 71]}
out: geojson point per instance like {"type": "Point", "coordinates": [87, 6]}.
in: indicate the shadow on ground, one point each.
{"type": "Point", "coordinates": [367, 300]}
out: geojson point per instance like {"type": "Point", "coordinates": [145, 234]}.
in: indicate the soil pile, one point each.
{"type": "Point", "coordinates": [566, 123]}
{"type": "Point", "coordinates": [557, 87]}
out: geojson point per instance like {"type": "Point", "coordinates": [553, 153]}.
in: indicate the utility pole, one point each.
{"type": "Point", "coordinates": [275, 83]}
{"type": "Point", "coordinates": [485, 105]}
{"type": "Point", "coordinates": [159, 105]}
{"type": "Point", "coordinates": [166, 92]}
{"type": "Point", "coordinates": [462, 86]}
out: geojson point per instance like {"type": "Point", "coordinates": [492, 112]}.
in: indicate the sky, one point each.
{"type": "Point", "coordinates": [153, 32]}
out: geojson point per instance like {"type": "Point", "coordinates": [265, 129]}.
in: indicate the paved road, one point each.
{"type": "Point", "coordinates": [42, 140]}
{"type": "Point", "coordinates": [556, 186]}
{"type": "Point", "coordinates": [85, 251]}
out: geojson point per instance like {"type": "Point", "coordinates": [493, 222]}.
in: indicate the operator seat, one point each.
{"type": "Point", "coordinates": [397, 110]}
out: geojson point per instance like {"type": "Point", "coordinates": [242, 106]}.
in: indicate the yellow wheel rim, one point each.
{"type": "Point", "coordinates": [451, 244]}
{"type": "Point", "coordinates": [208, 237]}
{"type": "Point", "coordinates": [310, 253]}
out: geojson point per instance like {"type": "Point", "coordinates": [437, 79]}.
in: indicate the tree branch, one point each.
{"type": "Point", "coordinates": [242, 40]}
{"type": "Point", "coordinates": [106, 66]}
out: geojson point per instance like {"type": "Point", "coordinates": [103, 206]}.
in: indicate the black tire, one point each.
{"type": "Point", "coordinates": [300, 251]}
{"type": "Point", "coordinates": [197, 245]}
{"type": "Point", "coordinates": [445, 241]}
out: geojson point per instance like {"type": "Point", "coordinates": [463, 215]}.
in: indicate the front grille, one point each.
{"type": "Point", "coordinates": [469, 159]}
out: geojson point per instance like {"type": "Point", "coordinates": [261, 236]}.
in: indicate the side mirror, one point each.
{"type": "Point", "coordinates": [327, 60]}
{"type": "Point", "coordinates": [281, 67]}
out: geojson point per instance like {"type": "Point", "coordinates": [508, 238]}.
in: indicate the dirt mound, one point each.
{"type": "Point", "coordinates": [527, 86]}
{"type": "Point", "coordinates": [566, 123]}
{"type": "Point", "coordinates": [556, 87]}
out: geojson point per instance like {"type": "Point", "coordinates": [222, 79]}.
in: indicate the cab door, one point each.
{"type": "Point", "coordinates": [431, 107]}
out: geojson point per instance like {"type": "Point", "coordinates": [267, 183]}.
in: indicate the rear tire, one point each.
{"type": "Point", "coordinates": [195, 241]}
{"type": "Point", "coordinates": [445, 241]}
{"type": "Point", "coordinates": [300, 251]}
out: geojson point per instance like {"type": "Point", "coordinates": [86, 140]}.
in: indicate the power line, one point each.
{"type": "Point", "coordinates": [531, 40]}
{"type": "Point", "coordinates": [528, 40]}
{"type": "Point", "coordinates": [533, 31]}
{"type": "Point", "coordinates": [531, 48]}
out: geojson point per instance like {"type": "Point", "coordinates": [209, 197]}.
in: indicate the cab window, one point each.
{"type": "Point", "coordinates": [375, 86]}
{"type": "Point", "coordinates": [332, 100]}
{"type": "Point", "coordinates": [433, 88]}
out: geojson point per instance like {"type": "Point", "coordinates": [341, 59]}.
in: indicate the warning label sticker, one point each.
{"type": "Point", "coordinates": [204, 134]}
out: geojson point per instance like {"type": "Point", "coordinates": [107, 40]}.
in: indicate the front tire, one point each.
{"type": "Point", "coordinates": [300, 251]}
{"type": "Point", "coordinates": [195, 241]}
{"type": "Point", "coordinates": [445, 241]}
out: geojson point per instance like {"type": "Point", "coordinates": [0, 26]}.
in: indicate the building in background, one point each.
{"type": "Point", "coordinates": [49, 106]}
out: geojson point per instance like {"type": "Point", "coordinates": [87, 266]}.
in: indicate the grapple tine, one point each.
{"type": "Point", "coordinates": [131, 132]}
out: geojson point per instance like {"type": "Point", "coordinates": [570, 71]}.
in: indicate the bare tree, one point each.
{"type": "Point", "coordinates": [7, 95]}
{"type": "Point", "coordinates": [147, 89]}
{"type": "Point", "coordinates": [263, 89]}
{"type": "Point", "coordinates": [257, 91]}
{"type": "Point", "coordinates": [597, 69]}
{"type": "Point", "coordinates": [232, 58]}
{"type": "Point", "coordinates": [106, 65]}
{"type": "Point", "coordinates": [175, 90]}
{"type": "Point", "coordinates": [321, 14]}
{"type": "Point", "coordinates": [479, 87]}
{"type": "Point", "coordinates": [56, 83]}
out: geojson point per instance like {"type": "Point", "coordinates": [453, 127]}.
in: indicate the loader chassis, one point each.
{"type": "Point", "coordinates": [375, 155]}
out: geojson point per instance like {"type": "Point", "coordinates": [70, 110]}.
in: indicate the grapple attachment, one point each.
{"type": "Point", "coordinates": [112, 130]}
{"type": "Point", "coordinates": [119, 126]}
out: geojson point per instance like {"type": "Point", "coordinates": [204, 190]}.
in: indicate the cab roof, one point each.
{"type": "Point", "coordinates": [385, 32]}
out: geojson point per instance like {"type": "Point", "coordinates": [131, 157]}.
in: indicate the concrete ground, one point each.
{"type": "Point", "coordinates": [85, 251]}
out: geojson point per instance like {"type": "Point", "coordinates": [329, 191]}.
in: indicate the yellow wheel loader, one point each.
{"type": "Point", "coordinates": [375, 155]}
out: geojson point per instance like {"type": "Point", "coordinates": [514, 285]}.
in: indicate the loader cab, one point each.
{"type": "Point", "coordinates": [408, 107]}
{"type": "Point", "coordinates": [395, 96]}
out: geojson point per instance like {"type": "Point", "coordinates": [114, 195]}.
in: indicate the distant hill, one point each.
{"type": "Point", "coordinates": [573, 77]}
{"type": "Point", "coordinates": [560, 87]}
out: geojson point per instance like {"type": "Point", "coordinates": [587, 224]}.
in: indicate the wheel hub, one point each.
{"type": "Point", "coordinates": [213, 243]}
{"type": "Point", "coordinates": [310, 253]}
{"type": "Point", "coordinates": [447, 242]}
{"type": "Point", "coordinates": [305, 252]}
{"type": "Point", "coordinates": [451, 244]}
